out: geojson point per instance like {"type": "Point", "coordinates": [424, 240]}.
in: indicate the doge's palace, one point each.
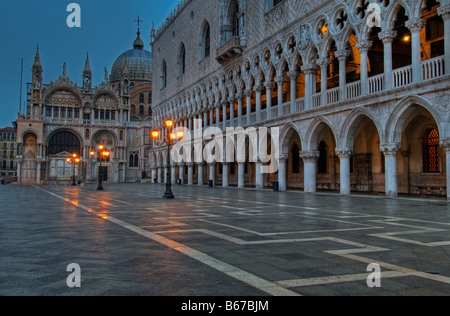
{"type": "Point", "coordinates": [358, 92]}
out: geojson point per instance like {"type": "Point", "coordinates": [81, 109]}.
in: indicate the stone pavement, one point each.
{"type": "Point", "coordinates": [127, 240]}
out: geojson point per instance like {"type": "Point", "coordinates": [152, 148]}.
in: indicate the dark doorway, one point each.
{"type": "Point", "coordinates": [103, 173]}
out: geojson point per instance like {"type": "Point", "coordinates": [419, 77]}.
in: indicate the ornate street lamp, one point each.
{"type": "Point", "coordinates": [102, 155]}
{"type": "Point", "coordinates": [169, 139]}
{"type": "Point", "coordinates": [74, 161]}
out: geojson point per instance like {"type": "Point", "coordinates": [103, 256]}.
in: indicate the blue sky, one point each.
{"type": "Point", "coordinates": [108, 28]}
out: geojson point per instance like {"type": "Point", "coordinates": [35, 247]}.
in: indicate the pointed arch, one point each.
{"type": "Point", "coordinates": [401, 112]}
{"type": "Point", "coordinates": [314, 129]}
{"type": "Point", "coordinates": [351, 123]}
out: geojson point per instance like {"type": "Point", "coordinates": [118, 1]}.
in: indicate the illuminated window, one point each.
{"type": "Point", "coordinates": [430, 151]}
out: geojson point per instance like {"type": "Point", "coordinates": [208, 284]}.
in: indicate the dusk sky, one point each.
{"type": "Point", "coordinates": [108, 28]}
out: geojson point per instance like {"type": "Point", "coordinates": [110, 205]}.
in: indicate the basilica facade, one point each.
{"type": "Point", "coordinates": [358, 91]}
{"type": "Point", "coordinates": [64, 119]}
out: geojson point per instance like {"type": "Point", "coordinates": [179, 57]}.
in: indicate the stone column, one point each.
{"type": "Point", "coordinates": [173, 176]}
{"type": "Point", "coordinates": [310, 73]}
{"type": "Point", "coordinates": [154, 179]}
{"type": "Point", "coordinates": [160, 171]}
{"type": "Point", "coordinates": [232, 101]}
{"type": "Point", "coordinates": [323, 64]}
{"type": "Point", "coordinates": [190, 166]}
{"type": "Point", "coordinates": [309, 160]}
{"type": "Point", "coordinates": [225, 175]}
{"type": "Point", "coordinates": [269, 86]}
{"type": "Point", "coordinates": [445, 143]}
{"type": "Point", "coordinates": [344, 163]}
{"type": "Point", "coordinates": [444, 12]}
{"type": "Point", "coordinates": [390, 170]}
{"type": "Point", "coordinates": [293, 89]}
{"type": "Point", "coordinates": [239, 98]}
{"type": "Point", "coordinates": [200, 173]}
{"type": "Point", "coordinates": [19, 171]}
{"type": "Point", "coordinates": [224, 116]}
{"type": "Point", "coordinates": [205, 118]}
{"type": "Point", "coordinates": [258, 90]}
{"type": "Point", "coordinates": [415, 25]}
{"type": "Point", "coordinates": [388, 37]}
{"type": "Point", "coordinates": [212, 172]}
{"type": "Point", "coordinates": [38, 171]}
{"type": "Point", "coordinates": [363, 48]}
{"type": "Point", "coordinates": [181, 172]}
{"type": "Point", "coordinates": [282, 175]}
{"type": "Point", "coordinates": [280, 80]}
{"type": "Point", "coordinates": [211, 116]}
{"type": "Point", "coordinates": [241, 174]}
{"type": "Point", "coordinates": [259, 177]}
{"type": "Point", "coordinates": [341, 55]}
{"type": "Point", "coordinates": [248, 94]}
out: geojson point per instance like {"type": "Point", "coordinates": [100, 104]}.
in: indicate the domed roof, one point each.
{"type": "Point", "coordinates": [136, 62]}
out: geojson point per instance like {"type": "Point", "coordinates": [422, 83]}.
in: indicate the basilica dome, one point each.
{"type": "Point", "coordinates": [137, 62]}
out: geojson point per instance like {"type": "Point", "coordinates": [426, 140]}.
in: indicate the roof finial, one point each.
{"type": "Point", "coordinates": [138, 43]}
{"type": "Point", "coordinates": [138, 23]}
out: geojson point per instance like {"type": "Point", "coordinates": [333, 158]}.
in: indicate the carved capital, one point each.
{"type": "Point", "coordinates": [269, 84]}
{"type": "Point", "coordinates": [309, 156]}
{"type": "Point", "coordinates": [390, 148]}
{"type": "Point", "coordinates": [344, 152]}
{"type": "Point", "coordinates": [445, 143]}
{"type": "Point", "coordinates": [293, 75]}
{"type": "Point", "coordinates": [414, 25]}
{"type": "Point", "coordinates": [282, 158]}
{"type": "Point", "coordinates": [444, 12]}
{"type": "Point", "coordinates": [387, 36]}
{"type": "Point", "coordinates": [323, 62]}
{"type": "Point", "coordinates": [363, 46]}
{"type": "Point", "coordinates": [248, 93]}
{"type": "Point", "coordinates": [341, 54]}
{"type": "Point", "coordinates": [309, 68]}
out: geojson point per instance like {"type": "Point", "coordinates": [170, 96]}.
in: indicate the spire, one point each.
{"type": "Point", "coordinates": [87, 66]}
{"type": "Point", "coordinates": [37, 60]}
{"type": "Point", "coordinates": [138, 43]}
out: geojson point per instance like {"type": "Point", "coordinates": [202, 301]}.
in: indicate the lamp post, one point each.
{"type": "Point", "coordinates": [74, 161]}
{"type": "Point", "coordinates": [102, 155]}
{"type": "Point", "coordinates": [169, 139]}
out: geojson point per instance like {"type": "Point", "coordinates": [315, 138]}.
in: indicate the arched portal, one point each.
{"type": "Point", "coordinates": [62, 145]}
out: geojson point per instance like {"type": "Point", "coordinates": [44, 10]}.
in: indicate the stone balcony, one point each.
{"type": "Point", "coordinates": [229, 50]}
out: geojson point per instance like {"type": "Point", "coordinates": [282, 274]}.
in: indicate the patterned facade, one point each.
{"type": "Point", "coordinates": [358, 90]}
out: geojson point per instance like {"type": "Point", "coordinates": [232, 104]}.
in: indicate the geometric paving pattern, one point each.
{"type": "Point", "coordinates": [216, 241]}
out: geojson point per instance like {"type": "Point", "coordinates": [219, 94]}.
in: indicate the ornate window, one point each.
{"type": "Point", "coordinates": [207, 41]}
{"type": "Point", "coordinates": [430, 151]}
{"type": "Point", "coordinates": [163, 78]}
{"type": "Point", "coordinates": [64, 141]}
{"type": "Point", "coordinates": [133, 160]}
{"type": "Point", "coordinates": [181, 60]}
{"type": "Point", "coordinates": [141, 98]}
{"type": "Point", "coordinates": [236, 20]}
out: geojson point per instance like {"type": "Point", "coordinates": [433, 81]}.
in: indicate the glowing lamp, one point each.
{"type": "Point", "coordinates": [169, 124]}
{"type": "Point", "coordinates": [180, 135]}
{"type": "Point", "coordinates": [155, 134]}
